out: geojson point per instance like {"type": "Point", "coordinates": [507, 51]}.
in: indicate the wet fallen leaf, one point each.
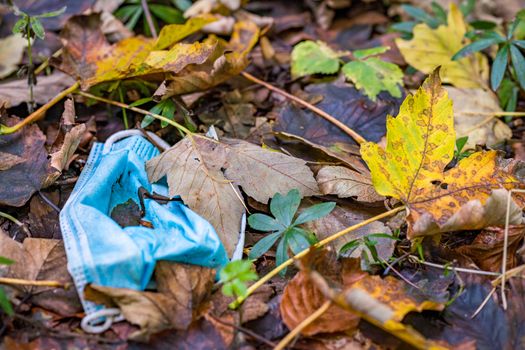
{"type": "Point", "coordinates": [420, 144]}
{"type": "Point", "coordinates": [487, 248]}
{"type": "Point", "coordinates": [346, 104]}
{"type": "Point", "coordinates": [27, 177]}
{"type": "Point", "coordinates": [11, 52]}
{"type": "Point", "coordinates": [431, 48]}
{"type": "Point", "coordinates": [345, 183]}
{"type": "Point", "coordinates": [41, 259]}
{"type": "Point", "coordinates": [205, 173]}
{"type": "Point", "coordinates": [471, 107]}
{"type": "Point", "coordinates": [16, 92]}
{"type": "Point", "coordinates": [90, 58]}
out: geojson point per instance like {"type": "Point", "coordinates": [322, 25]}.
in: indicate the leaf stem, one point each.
{"type": "Point", "coordinates": [135, 109]}
{"type": "Point", "coordinates": [11, 218]}
{"type": "Point", "coordinates": [319, 244]}
{"type": "Point", "coordinates": [304, 323]}
{"type": "Point", "coordinates": [39, 113]}
{"type": "Point", "coordinates": [358, 138]}
{"type": "Point", "coordinates": [42, 283]}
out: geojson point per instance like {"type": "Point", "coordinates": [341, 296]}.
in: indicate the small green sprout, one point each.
{"type": "Point", "coordinates": [234, 276]}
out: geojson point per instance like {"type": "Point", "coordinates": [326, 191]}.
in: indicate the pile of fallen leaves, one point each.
{"type": "Point", "coordinates": [369, 156]}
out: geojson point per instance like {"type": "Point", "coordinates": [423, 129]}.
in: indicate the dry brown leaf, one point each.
{"type": "Point", "coordinates": [11, 52]}
{"type": "Point", "coordinates": [8, 160]}
{"type": "Point", "coordinates": [16, 92]}
{"type": "Point", "coordinates": [27, 177]}
{"type": "Point", "coordinates": [188, 285]}
{"type": "Point", "coordinates": [41, 259]}
{"type": "Point", "coordinates": [206, 173]}
{"type": "Point", "coordinates": [345, 183]}
{"type": "Point", "coordinates": [487, 248]}
{"type": "Point", "coordinates": [301, 298]}
{"type": "Point", "coordinates": [471, 107]}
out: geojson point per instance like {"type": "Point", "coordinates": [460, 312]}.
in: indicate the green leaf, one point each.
{"type": "Point", "coordinates": [263, 222]}
{"type": "Point", "coordinates": [520, 43]}
{"type": "Point", "coordinates": [134, 18]}
{"type": "Point", "coordinates": [476, 46]}
{"type": "Point", "coordinates": [518, 61]}
{"type": "Point", "coordinates": [5, 261]}
{"type": "Point", "coordinates": [405, 27]}
{"type": "Point", "coordinates": [314, 212]}
{"type": "Point", "coordinates": [124, 13]}
{"type": "Point", "coordinates": [508, 95]}
{"type": "Point", "coordinates": [20, 25]}
{"type": "Point", "coordinates": [310, 57]}
{"type": "Point", "coordinates": [374, 75]}
{"type": "Point", "coordinates": [483, 25]}
{"type": "Point", "coordinates": [285, 207]}
{"type": "Point", "coordinates": [440, 12]}
{"type": "Point", "coordinates": [52, 13]}
{"type": "Point", "coordinates": [168, 111]}
{"type": "Point", "coordinates": [263, 245]}
{"type": "Point", "coordinates": [297, 240]}
{"type": "Point", "coordinates": [467, 7]}
{"type": "Point", "coordinates": [362, 54]}
{"type": "Point", "coordinates": [183, 5]}
{"type": "Point", "coordinates": [460, 143]}
{"type": "Point", "coordinates": [5, 304]}
{"type": "Point", "coordinates": [350, 247]}
{"type": "Point", "coordinates": [37, 28]}
{"type": "Point", "coordinates": [420, 15]}
{"type": "Point", "coordinates": [168, 14]}
{"type": "Point", "coordinates": [141, 101]}
{"type": "Point", "coordinates": [499, 67]}
{"type": "Point", "coordinates": [282, 254]}
{"type": "Point", "coordinates": [241, 270]}
{"type": "Point", "coordinates": [382, 235]}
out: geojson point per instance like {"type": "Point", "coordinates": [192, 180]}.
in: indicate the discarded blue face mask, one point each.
{"type": "Point", "coordinates": [100, 251]}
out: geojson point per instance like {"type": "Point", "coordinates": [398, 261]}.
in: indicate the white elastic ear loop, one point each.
{"type": "Point", "coordinates": [101, 320]}
{"type": "Point", "coordinates": [133, 132]}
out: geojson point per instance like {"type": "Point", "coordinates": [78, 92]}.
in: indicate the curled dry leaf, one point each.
{"type": "Point", "coordinates": [472, 108]}
{"type": "Point", "coordinates": [345, 183]}
{"type": "Point", "coordinates": [182, 289]}
{"type": "Point", "coordinates": [206, 173]}
{"type": "Point", "coordinates": [487, 248]}
{"type": "Point", "coordinates": [27, 176]}
{"type": "Point", "coordinates": [431, 48]}
{"type": "Point", "coordinates": [420, 144]}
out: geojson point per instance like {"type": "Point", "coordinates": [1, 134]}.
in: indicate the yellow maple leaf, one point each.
{"type": "Point", "coordinates": [420, 144]}
{"type": "Point", "coordinates": [430, 48]}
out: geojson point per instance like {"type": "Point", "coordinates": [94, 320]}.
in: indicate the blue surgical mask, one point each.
{"type": "Point", "coordinates": [100, 251]}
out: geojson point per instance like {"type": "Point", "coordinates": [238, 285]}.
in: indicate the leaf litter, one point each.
{"type": "Point", "coordinates": [440, 157]}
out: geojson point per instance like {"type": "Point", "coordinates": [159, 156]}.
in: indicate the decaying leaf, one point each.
{"type": "Point", "coordinates": [181, 290]}
{"type": "Point", "coordinates": [8, 160]}
{"type": "Point", "coordinates": [431, 48]}
{"type": "Point", "coordinates": [420, 144]}
{"type": "Point", "coordinates": [27, 177]}
{"type": "Point", "coordinates": [90, 58]}
{"type": "Point", "coordinates": [345, 183]}
{"type": "Point", "coordinates": [471, 109]}
{"type": "Point", "coordinates": [41, 259]}
{"type": "Point", "coordinates": [227, 60]}
{"type": "Point", "coordinates": [487, 248]}
{"type": "Point", "coordinates": [206, 173]}
{"type": "Point", "coordinates": [11, 52]}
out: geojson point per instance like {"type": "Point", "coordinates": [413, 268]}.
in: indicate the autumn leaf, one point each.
{"type": "Point", "coordinates": [420, 144]}
{"type": "Point", "coordinates": [345, 183]}
{"type": "Point", "coordinates": [372, 74]}
{"type": "Point", "coordinates": [206, 173]}
{"type": "Point", "coordinates": [431, 48]}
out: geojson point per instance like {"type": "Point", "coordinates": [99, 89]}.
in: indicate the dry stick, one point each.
{"type": "Point", "coordinates": [135, 109]}
{"type": "Point", "coordinates": [39, 113]}
{"type": "Point", "coordinates": [358, 138]}
{"type": "Point", "coordinates": [147, 13]}
{"type": "Point", "coordinates": [324, 242]}
{"type": "Point", "coordinates": [305, 323]}
{"type": "Point", "coordinates": [42, 283]}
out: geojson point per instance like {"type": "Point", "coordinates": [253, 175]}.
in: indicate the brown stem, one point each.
{"type": "Point", "coordinates": [358, 138]}
{"type": "Point", "coordinates": [43, 283]}
{"type": "Point", "coordinates": [149, 19]}
{"type": "Point", "coordinates": [39, 113]}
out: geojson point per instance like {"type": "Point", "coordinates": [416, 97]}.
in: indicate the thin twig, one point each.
{"type": "Point", "coordinates": [246, 331]}
{"type": "Point", "coordinates": [452, 268]}
{"type": "Point", "coordinates": [42, 283]}
{"type": "Point", "coordinates": [358, 138]}
{"type": "Point", "coordinates": [305, 323]}
{"type": "Point", "coordinates": [45, 64]}
{"type": "Point", "coordinates": [407, 281]}
{"type": "Point", "coordinates": [39, 113]}
{"type": "Point", "coordinates": [135, 109]}
{"type": "Point", "coordinates": [49, 202]}
{"type": "Point", "coordinates": [149, 19]}
{"type": "Point", "coordinates": [319, 244]}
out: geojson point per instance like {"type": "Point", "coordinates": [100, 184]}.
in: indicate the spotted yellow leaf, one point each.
{"type": "Point", "coordinates": [420, 144]}
{"type": "Point", "coordinates": [430, 48]}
